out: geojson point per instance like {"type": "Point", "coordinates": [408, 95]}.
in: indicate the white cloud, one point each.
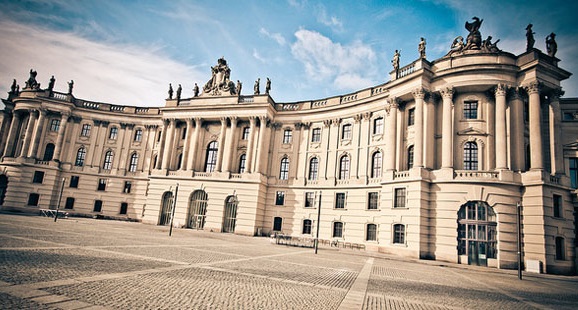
{"type": "Point", "coordinates": [113, 73]}
{"type": "Point", "coordinates": [330, 21]}
{"type": "Point", "coordinates": [348, 67]}
{"type": "Point", "coordinates": [277, 37]}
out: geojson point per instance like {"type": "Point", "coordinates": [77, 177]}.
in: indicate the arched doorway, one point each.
{"type": "Point", "coordinates": [166, 209]}
{"type": "Point", "coordinates": [477, 232]}
{"type": "Point", "coordinates": [230, 214]}
{"type": "Point", "coordinates": [197, 209]}
{"type": "Point", "coordinates": [3, 187]}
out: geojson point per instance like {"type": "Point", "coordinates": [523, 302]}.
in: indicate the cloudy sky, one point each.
{"type": "Point", "coordinates": [127, 52]}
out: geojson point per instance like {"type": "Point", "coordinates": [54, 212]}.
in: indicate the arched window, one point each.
{"type": "Point", "coordinates": [284, 171]}
{"type": "Point", "coordinates": [133, 162]}
{"type": "Point", "coordinates": [477, 232]}
{"type": "Point", "coordinates": [470, 156]}
{"type": "Point", "coordinates": [48, 152]}
{"type": "Point", "coordinates": [399, 234]}
{"type": "Point", "coordinates": [211, 159]}
{"type": "Point", "coordinates": [344, 167]}
{"type": "Point", "coordinates": [376, 165]}
{"type": "Point", "coordinates": [80, 156]}
{"type": "Point", "coordinates": [371, 232]}
{"type": "Point", "coordinates": [306, 227]}
{"type": "Point", "coordinates": [108, 157]}
{"type": "Point", "coordinates": [313, 168]}
{"type": "Point", "coordinates": [410, 157]}
{"type": "Point", "coordinates": [242, 163]}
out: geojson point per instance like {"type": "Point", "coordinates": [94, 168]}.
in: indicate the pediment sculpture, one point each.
{"type": "Point", "coordinates": [474, 42]}
{"type": "Point", "coordinates": [220, 83]}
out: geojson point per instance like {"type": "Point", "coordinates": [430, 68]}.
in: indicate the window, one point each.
{"type": "Point", "coordinates": [246, 132]}
{"type": "Point", "coordinates": [38, 177]}
{"type": "Point", "coordinates": [101, 185]}
{"type": "Point", "coordinates": [54, 125]}
{"type": "Point", "coordinates": [306, 227]}
{"type": "Point", "coordinates": [470, 109]}
{"type": "Point", "coordinates": [287, 136]}
{"type": "Point", "coordinates": [399, 234]}
{"type": "Point", "coordinates": [410, 157]}
{"type": "Point", "coordinates": [399, 199]}
{"type": "Point", "coordinates": [346, 132]}
{"type": "Point", "coordinates": [80, 157]}
{"type": "Point", "coordinates": [211, 161]}
{"type": "Point", "coordinates": [277, 223]}
{"type": "Point", "coordinates": [48, 152]}
{"type": "Point", "coordinates": [280, 198]}
{"type": "Point", "coordinates": [138, 135]}
{"type": "Point", "coordinates": [471, 156]}
{"type": "Point", "coordinates": [378, 126]}
{"type": "Point", "coordinates": [184, 133]}
{"type": "Point", "coordinates": [113, 133]}
{"type": "Point", "coordinates": [133, 162]}
{"type": "Point", "coordinates": [411, 117]}
{"type": "Point", "coordinates": [316, 135]}
{"type": "Point", "coordinates": [477, 231]}
{"type": "Point", "coordinates": [344, 167]}
{"type": "Point", "coordinates": [313, 168]}
{"type": "Point", "coordinates": [560, 253]}
{"type": "Point", "coordinates": [242, 163]}
{"type": "Point", "coordinates": [337, 230]}
{"type": "Point", "coordinates": [284, 171]}
{"type": "Point", "coordinates": [574, 172]}
{"type": "Point", "coordinates": [33, 199]}
{"type": "Point", "coordinates": [309, 199]}
{"type": "Point", "coordinates": [340, 200]}
{"type": "Point", "coordinates": [372, 200]}
{"type": "Point", "coordinates": [97, 206]}
{"type": "Point", "coordinates": [123, 208]}
{"type": "Point", "coordinates": [85, 132]}
{"type": "Point", "coordinates": [127, 187]}
{"type": "Point", "coordinates": [159, 136]}
{"type": "Point", "coordinates": [371, 232]}
{"type": "Point", "coordinates": [108, 157]}
{"type": "Point", "coordinates": [74, 181]}
{"type": "Point", "coordinates": [69, 203]}
{"type": "Point", "coordinates": [557, 205]}
{"type": "Point", "coordinates": [376, 165]}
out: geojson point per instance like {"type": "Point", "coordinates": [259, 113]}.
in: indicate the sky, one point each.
{"type": "Point", "coordinates": [127, 52]}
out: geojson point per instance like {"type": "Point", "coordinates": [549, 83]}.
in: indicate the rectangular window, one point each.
{"type": "Point", "coordinates": [33, 199]}
{"type": "Point", "coordinates": [371, 233]}
{"type": "Point", "coordinates": [160, 134]}
{"type": "Point", "coordinates": [69, 203]}
{"type": "Point", "coordinates": [101, 184]}
{"type": "Point", "coordinates": [184, 133]}
{"type": "Point", "coordinates": [287, 136]}
{"type": "Point", "coordinates": [337, 230]}
{"type": "Point", "coordinates": [280, 198]}
{"type": "Point", "coordinates": [306, 227]}
{"type": "Point", "coordinates": [277, 223]}
{"type": "Point", "coordinates": [85, 132]}
{"type": "Point", "coordinates": [557, 205]}
{"type": "Point", "coordinates": [340, 200]}
{"type": "Point", "coordinates": [309, 199]}
{"type": "Point", "coordinates": [54, 125]}
{"type": "Point", "coordinates": [138, 135]}
{"type": "Point", "coordinates": [127, 187]}
{"type": "Point", "coordinates": [470, 109]}
{"type": "Point", "coordinates": [411, 117]}
{"type": "Point", "coordinates": [574, 172]}
{"type": "Point", "coordinates": [560, 253]}
{"type": "Point", "coordinates": [399, 234]}
{"type": "Point", "coordinates": [246, 131]}
{"type": "Point", "coordinates": [97, 206]}
{"type": "Point", "coordinates": [346, 132]}
{"type": "Point", "coordinates": [74, 181]}
{"type": "Point", "coordinates": [38, 177]}
{"type": "Point", "coordinates": [399, 199]}
{"type": "Point", "coordinates": [113, 133]}
{"type": "Point", "coordinates": [316, 135]}
{"type": "Point", "coordinates": [372, 200]}
{"type": "Point", "coordinates": [568, 116]}
{"type": "Point", "coordinates": [378, 126]}
{"type": "Point", "coordinates": [123, 208]}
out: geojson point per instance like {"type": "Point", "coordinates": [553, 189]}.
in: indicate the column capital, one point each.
{"type": "Point", "coordinates": [223, 120]}
{"type": "Point", "coordinates": [336, 122]}
{"type": "Point", "coordinates": [533, 87]}
{"type": "Point", "coordinates": [252, 120]}
{"type": "Point", "coordinates": [501, 89]}
{"type": "Point", "coordinates": [392, 103]}
{"type": "Point", "coordinates": [419, 93]}
{"type": "Point", "coordinates": [515, 93]}
{"type": "Point", "coordinates": [447, 92]}
{"type": "Point", "coordinates": [326, 123]}
{"type": "Point", "coordinates": [555, 94]}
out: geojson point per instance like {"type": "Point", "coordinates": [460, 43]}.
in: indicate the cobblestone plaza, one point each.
{"type": "Point", "coordinates": [80, 263]}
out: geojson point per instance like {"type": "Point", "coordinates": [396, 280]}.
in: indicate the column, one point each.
{"type": "Point", "coordinates": [168, 145]}
{"type": "Point", "coordinates": [32, 117]}
{"type": "Point", "coordinates": [488, 162]}
{"type": "Point", "coordinates": [124, 145]}
{"type": "Point", "coordinates": [261, 143]}
{"type": "Point", "coordinates": [221, 144]}
{"type": "Point", "coordinates": [429, 131]}
{"type": "Point", "coordinates": [536, 160]}
{"type": "Point", "coordinates": [501, 142]}
{"type": "Point", "coordinates": [193, 154]}
{"type": "Point", "coordinates": [419, 95]}
{"type": "Point", "coordinates": [160, 156]}
{"type": "Point", "coordinates": [390, 155]}
{"type": "Point", "coordinates": [252, 121]}
{"type": "Point", "coordinates": [11, 141]}
{"type": "Point", "coordinates": [556, 151]}
{"type": "Point", "coordinates": [37, 133]}
{"type": "Point", "coordinates": [100, 140]}
{"type": "Point", "coordinates": [186, 152]}
{"type": "Point", "coordinates": [230, 145]}
{"type": "Point", "coordinates": [60, 138]}
{"type": "Point", "coordinates": [447, 125]}
{"type": "Point", "coordinates": [517, 131]}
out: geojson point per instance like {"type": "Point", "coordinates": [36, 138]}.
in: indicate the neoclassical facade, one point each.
{"type": "Point", "coordinates": [431, 164]}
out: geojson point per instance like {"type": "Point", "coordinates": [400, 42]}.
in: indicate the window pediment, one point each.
{"type": "Point", "coordinates": [472, 131]}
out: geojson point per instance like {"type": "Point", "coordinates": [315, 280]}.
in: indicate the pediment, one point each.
{"type": "Point", "coordinates": [571, 145]}
{"type": "Point", "coordinates": [472, 131]}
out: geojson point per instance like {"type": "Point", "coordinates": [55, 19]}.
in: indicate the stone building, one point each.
{"type": "Point", "coordinates": [431, 164]}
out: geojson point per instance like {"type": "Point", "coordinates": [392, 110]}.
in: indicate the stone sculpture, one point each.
{"type": "Point", "coordinates": [529, 38]}
{"type": "Point", "coordinates": [421, 48]}
{"type": "Point", "coordinates": [256, 90]}
{"type": "Point", "coordinates": [219, 82]}
{"type": "Point", "coordinates": [170, 91]}
{"type": "Point", "coordinates": [474, 39]}
{"type": "Point", "coordinates": [551, 45]}
{"type": "Point", "coordinates": [268, 86]}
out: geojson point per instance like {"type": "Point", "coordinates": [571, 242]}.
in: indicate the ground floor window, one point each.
{"type": "Point", "coordinates": [477, 231]}
{"type": "Point", "coordinates": [306, 227]}
{"type": "Point", "coordinates": [560, 249]}
{"type": "Point", "coordinates": [97, 206]}
{"type": "Point", "coordinates": [123, 208]}
{"type": "Point", "coordinates": [399, 234]}
{"type": "Point", "coordinates": [371, 232]}
{"type": "Point", "coordinates": [338, 230]}
{"type": "Point", "coordinates": [277, 223]}
{"type": "Point", "coordinates": [69, 203]}
{"type": "Point", "coordinates": [33, 199]}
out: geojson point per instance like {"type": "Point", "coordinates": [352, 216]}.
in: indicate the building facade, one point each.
{"type": "Point", "coordinates": [434, 164]}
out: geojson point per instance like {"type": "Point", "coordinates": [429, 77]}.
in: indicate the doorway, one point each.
{"type": "Point", "coordinates": [166, 209]}
{"type": "Point", "coordinates": [477, 232]}
{"type": "Point", "coordinates": [197, 209]}
{"type": "Point", "coordinates": [230, 216]}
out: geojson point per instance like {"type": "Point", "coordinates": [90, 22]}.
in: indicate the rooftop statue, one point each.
{"type": "Point", "coordinates": [529, 38]}
{"type": "Point", "coordinates": [170, 91]}
{"type": "Point", "coordinates": [421, 48]}
{"type": "Point", "coordinates": [219, 82]}
{"type": "Point", "coordinates": [474, 39]}
{"type": "Point", "coordinates": [268, 86]}
{"type": "Point", "coordinates": [395, 62]}
{"type": "Point", "coordinates": [70, 86]}
{"type": "Point", "coordinates": [239, 87]}
{"type": "Point", "coordinates": [196, 90]}
{"type": "Point", "coordinates": [179, 91]}
{"type": "Point", "coordinates": [488, 46]}
{"type": "Point", "coordinates": [31, 83]}
{"type": "Point", "coordinates": [51, 84]}
{"type": "Point", "coordinates": [457, 46]}
{"type": "Point", "coordinates": [256, 90]}
{"type": "Point", "coordinates": [551, 45]}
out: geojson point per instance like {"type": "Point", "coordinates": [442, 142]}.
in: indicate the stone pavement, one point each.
{"type": "Point", "coordinates": [95, 264]}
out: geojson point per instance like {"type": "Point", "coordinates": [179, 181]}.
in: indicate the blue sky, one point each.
{"type": "Point", "coordinates": [127, 52]}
